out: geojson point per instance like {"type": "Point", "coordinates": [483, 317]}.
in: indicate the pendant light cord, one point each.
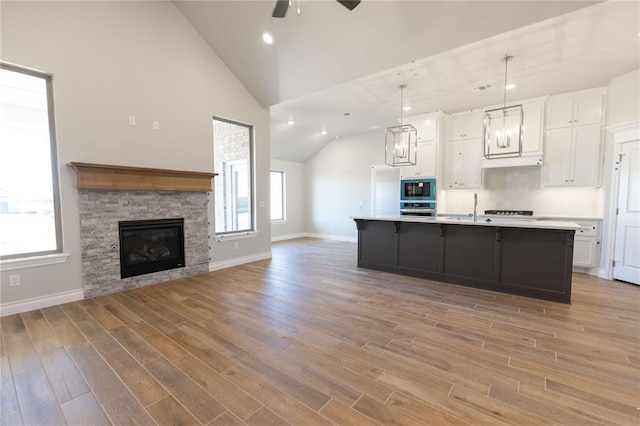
{"type": "Point", "coordinates": [401, 87]}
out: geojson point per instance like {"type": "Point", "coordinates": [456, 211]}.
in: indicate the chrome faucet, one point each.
{"type": "Point", "coordinates": [475, 206]}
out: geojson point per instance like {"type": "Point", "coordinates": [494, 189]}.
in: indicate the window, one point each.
{"type": "Point", "coordinates": [233, 160]}
{"type": "Point", "coordinates": [29, 198]}
{"type": "Point", "coordinates": [277, 196]}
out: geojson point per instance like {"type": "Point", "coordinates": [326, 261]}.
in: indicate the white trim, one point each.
{"type": "Point", "coordinates": [223, 264]}
{"type": "Point", "coordinates": [237, 236]}
{"type": "Point", "coordinates": [603, 273]}
{"type": "Point", "coordinates": [287, 237]}
{"type": "Point", "coordinates": [333, 237]}
{"type": "Point", "coordinates": [625, 132]}
{"type": "Point", "coordinates": [40, 302]}
{"type": "Point", "coordinates": [33, 262]}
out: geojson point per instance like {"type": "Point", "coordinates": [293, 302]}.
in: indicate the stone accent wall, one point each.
{"type": "Point", "coordinates": [100, 212]}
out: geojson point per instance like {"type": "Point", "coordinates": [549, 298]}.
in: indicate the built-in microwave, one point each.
{"type": "Point", "coordinates": [417, 190]}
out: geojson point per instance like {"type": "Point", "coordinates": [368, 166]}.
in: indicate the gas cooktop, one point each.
{"type": "Point", "coordinates": [509, 212]}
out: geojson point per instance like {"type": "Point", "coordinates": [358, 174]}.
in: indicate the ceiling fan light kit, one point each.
{"type": "Point", "coordinates": [282, 6]}
{"type": "Point", "coordinates": [401, 142]}
{"type": "Point", "coordinates": [503, 127]}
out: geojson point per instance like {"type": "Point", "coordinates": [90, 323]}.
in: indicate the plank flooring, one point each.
{"type": "Point", "coordinates": [307, 338]}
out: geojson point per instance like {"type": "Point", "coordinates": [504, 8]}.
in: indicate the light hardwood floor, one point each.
{"type": "Point", "coordinates": [308, 338]}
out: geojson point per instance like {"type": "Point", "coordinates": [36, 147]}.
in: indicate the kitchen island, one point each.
{"type": "Point", "coordinates": [526, 257]}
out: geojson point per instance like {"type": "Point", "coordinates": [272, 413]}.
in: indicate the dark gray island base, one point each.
{"type": "Point", "coordinates": [530, 260]}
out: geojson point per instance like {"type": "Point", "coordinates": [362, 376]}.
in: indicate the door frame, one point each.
{"type": "Point", "coordinates": [621, 134]}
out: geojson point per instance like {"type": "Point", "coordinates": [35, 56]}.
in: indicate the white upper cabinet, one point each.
{"type": "Point", "coordinates": [465, 126]}
{"type": "Point", "coordinates": [574, 111]}
{"type": "Point", "coordinates": [426, 161]}
{"type": "Point", "coordinates": [462, 164]}
{"type": "Point", "coordinates": [573, 143]}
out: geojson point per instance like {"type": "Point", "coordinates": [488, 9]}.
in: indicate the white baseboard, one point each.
{"type": "Point", "coordinates": [603, 273]}
{"type": "Point", "coordinates": [223, 264]}
{"type": "Point", "coordinates": [288, 237]}
{"type": "Point", "coordinates": [40, 302]}
{"type": "Point", "coordinates": [333, 237]}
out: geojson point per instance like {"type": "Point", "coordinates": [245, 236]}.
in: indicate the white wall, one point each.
{"type": "Point", "coordinates": [624, 99]}
{"type": "Point", "coordinates": [294, 226]}
{"type": "Point", "coordinates": [623, 106]}
{"type": "Point", "coordinates": [338, 183]}
{"type": "Point", "coordinates": [110, 60]}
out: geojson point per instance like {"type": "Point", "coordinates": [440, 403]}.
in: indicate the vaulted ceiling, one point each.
{"type": "Point", "coordinates": [329, 61]}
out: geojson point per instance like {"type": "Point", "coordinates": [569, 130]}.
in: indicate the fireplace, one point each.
{"type": "Point", "coordinates": [150, 246]}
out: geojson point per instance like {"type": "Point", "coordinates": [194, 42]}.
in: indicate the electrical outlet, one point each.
{"type": "Point", "coordinates": [235, 246]}
{"type": "Point", "coordinates": [14, 280]}
{"type": "Point", "coordinates": [132, 120]}
{"type": "Point", "coordinates": [156, 125]}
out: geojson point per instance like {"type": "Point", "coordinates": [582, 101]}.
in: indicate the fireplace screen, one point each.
{"type": "Point", "coordinates": [150, 246]}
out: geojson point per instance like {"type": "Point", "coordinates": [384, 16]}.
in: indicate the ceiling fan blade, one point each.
{"type": "Point", "coordinates": [281, 9]}
{"type": "Point", "coordinates": [349, 4]}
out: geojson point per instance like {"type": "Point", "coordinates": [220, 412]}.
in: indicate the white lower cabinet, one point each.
{"type": "Point", "coordinates": [585, 252]}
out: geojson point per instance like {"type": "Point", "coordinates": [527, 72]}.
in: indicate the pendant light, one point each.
{"type": "Point", "coordinates": [503, 126]}
{"type": "Point", "coordinates": [401, 142]}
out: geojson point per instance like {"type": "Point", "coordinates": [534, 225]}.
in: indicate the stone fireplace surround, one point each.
{"type": "Point", "coordinates": [109, 194]}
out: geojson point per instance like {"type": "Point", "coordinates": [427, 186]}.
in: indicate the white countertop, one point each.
{"type": "Point", "coordinates": [505, 223]}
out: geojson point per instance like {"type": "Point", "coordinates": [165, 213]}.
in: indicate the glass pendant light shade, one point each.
{"type": "Point", "coordinates": [503, 127]}
{"type": "Point", "coordinates": [401, 142]}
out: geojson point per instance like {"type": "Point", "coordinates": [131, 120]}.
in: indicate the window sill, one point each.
{"type": "Point", "coordinates": [33, 262]}
{"type": "Point", "coordinates": [279, 222]}
{"type": "Point", "coordinates": [237, 236]}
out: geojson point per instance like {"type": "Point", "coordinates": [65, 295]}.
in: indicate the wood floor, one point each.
{"type": "Point", "coordinates": [307, 338]}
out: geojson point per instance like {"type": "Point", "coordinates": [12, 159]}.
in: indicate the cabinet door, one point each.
{"type": "Point", "coordinates": [585, 162]}
{"type": "Point", "coordinates": [409, 172]}
{"type": "Point", "coordinates": [587, 110]}
{"type": "Point", "coordinates": [532, 127]}
{"type": "Point", "coordinates": [473, 126]}
{"type": "Point", "coordinates": [471, 163]}
{"type": "Point", "coordinates": [455, 128]}
{"type": "Point", "coordinates": [559, 113]}
{"type": "Point", "coordinates": [557, 157]}
{"type": "Point", "coordinates": [427, 128]}
{"type": "Point", "coordinates": [585, 252]}
{"type": "Point", "coordinates": [426, 166]}
{"type": "Point", "coordinates": [453, 165]}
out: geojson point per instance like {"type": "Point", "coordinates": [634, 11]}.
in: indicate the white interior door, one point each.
{"type": "Point", "coordinates": [627, 247]}
{"type": "Point", "coordinates": [386, 186]}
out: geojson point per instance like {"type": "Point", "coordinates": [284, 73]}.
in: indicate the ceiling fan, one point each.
{"type": "Point", "coordinates": [283, 5]}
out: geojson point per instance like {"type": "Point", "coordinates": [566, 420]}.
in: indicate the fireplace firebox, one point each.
{"type": "Point", "coordinates": [148, 246]}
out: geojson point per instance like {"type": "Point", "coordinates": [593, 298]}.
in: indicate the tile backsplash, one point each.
{"type": "Point", "coordinates": [518, 188]}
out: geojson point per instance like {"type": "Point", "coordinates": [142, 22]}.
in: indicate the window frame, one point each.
{"type": "Point", "coordinates": [252, 190]}
{"type": "Point", "coordinates": [283, 190]}
{"type": "Point", "coordinates": [55, 179]}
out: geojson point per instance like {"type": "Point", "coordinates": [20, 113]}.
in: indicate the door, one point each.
{"type": "Point", "coordinates": [627, 247]}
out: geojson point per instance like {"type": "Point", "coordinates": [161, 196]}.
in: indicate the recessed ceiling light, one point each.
{"type": "Point", "coordinates": [324, 132]}
{"type": "Point", "coordinates": [375, 127]}
{"type": "Point", "coordinates": [267, 38]}
{"type": "Point", "coordinates": [510, 86]}
{"type": "Point", "coordinates": [291, 122]}
{"type": "Point", "coordinates": [406, 108]}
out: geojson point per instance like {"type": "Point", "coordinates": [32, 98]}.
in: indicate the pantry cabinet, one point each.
{"type": "Point", "coordinates": [573, 139]}
{"type": "Point", "coordinates": [426, 158]}
{"type": "Point", "coordinates": [462, 164]}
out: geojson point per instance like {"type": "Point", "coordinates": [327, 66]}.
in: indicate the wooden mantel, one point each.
{"type": "Point", "coordinates": [106, 176]}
